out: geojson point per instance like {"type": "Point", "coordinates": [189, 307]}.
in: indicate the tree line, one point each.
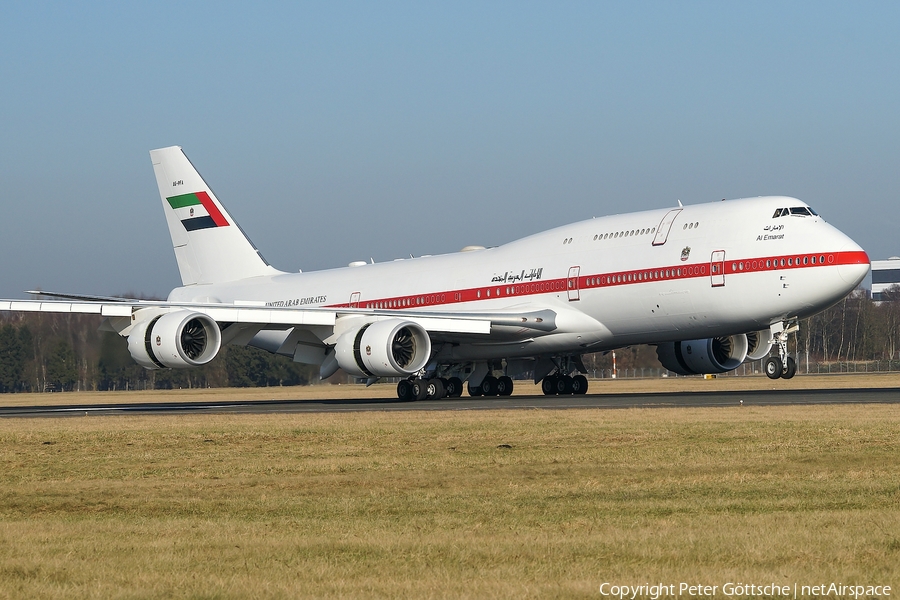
{"type": "Point", "coordinates": [42, 352]}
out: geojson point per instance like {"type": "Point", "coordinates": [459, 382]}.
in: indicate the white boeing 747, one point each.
{"type": "Point", "coordinates": [709, 285]}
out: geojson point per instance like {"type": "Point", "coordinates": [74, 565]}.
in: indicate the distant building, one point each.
{"type": "Point", "coordinates": [885, 273]}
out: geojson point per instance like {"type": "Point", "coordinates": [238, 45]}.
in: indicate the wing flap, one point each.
{"type": "Point", "coordinates": [53, 306]}
{"type": "Point", "coordinates": [267, 316]}
{"type": "Point", "coordinates": [116, 310]}
{"type": "Point", "coordinates": [84, 308]}
{"type": "Point", "coordinates": [25, 306]}
{"type": "Point", "coordinates": [451, 325]}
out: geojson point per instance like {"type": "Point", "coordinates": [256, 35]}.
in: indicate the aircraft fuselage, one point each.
{"type": "Point", "coordinates": [662, 275]}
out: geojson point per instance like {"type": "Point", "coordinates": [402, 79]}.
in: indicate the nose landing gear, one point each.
{"type": "Point", "coordinates": [775, 368]}
{"type": "Point", "coordinates": [782, 366]}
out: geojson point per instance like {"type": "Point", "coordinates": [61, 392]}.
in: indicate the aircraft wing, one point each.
{"type": "Point", "coordinates": [183, 333]}
{"type": "Point", "coordinates": [249, 313]}
{"type": "Point", "coordinates": [257, 313]}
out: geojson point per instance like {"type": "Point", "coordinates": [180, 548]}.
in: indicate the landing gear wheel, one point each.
{"type": "Point", "coordinates": [773, 367]}
{"type": "Point", "coordinates": [564, 385]}
{"type": "Point", "coordinates": [790, 369]}
{"type": "Point", "coordinates": [434, 389]}
{"type": "Point", "coordinates": [405, 391]}
{"type": "Point", "coordinates": [420, 389]}
{"type": "Point", "coordinates": [474, 390]}
{"type": "Point", "coordinates": [506, 383]}
{"type": "Point", "coordinates": [490, 386]}
{"type": "Point", "coordinates": [453, 387]}
{"type": "Point", "coordinates": [579, 385]}
{"type": "Point", "coordinates": [548, 385]}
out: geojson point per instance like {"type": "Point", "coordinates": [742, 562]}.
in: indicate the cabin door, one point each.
{"type": "Point", "coordinates": [717, 268]}
{"type": "Point", "coordinates": [572, 283]}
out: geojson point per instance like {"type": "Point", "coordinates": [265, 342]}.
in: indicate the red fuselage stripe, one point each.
{"type": "Point", "coordinates": [718, 269]}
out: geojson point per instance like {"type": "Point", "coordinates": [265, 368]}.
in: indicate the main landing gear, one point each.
{"type": "Point", "coordinates": [783, 365]}
{"type": "Point", "coordinates": [429, 389]}
{"type": "Point", "coordinates": [492, 386]}
{"type": "Point", "coordinates": [429, 386]}
{"type": "Point", "coordinates": [557, 375]}
{"type": "Point", "coordinates": [552, 385]}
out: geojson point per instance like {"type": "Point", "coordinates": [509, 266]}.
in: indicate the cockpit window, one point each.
{"type": "Point", "coordinates": [798, 211]}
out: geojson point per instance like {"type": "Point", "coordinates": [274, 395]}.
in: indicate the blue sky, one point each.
{"type": "Point", "coordinates": [340, 131]}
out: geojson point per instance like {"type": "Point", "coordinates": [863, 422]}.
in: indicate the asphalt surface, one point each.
{"type": "Point", "coordinates": [599, 401]}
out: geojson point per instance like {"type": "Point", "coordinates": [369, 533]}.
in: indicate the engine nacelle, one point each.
{"type": "Point", "coordinates": [175, 340]}
{"type": "Point", "coordinates": [697, 357]}
{"type": "Point", "coordinates": [759, 343]}
{"type": "Point", "coordinates": [389, 348]}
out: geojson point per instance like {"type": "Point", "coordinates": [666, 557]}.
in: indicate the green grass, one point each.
{"type": "Point", "coordinates": [447, 505]}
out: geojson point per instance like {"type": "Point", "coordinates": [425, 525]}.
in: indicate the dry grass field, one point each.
{"type": "Point", "coordinates": [488, 504]}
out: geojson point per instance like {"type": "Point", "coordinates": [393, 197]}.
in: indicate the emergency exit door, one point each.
{"type": "Point", "coordinates": [662, 232]}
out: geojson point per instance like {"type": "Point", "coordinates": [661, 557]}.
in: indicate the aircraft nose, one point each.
{"type": "Point", "coordinates": [855, 264]}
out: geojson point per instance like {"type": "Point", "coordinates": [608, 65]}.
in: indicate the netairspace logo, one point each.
{"type": "Point", "coordinates": [655, 591]}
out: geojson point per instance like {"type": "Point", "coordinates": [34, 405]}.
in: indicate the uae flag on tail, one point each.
{"type": "Point", "coordinates": [197, 211]}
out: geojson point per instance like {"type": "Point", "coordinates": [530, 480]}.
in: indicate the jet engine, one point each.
{"type": "Point", "coordinates": [710, 355]}
{"type": "Point", "coordinates": [759, 344]}
{"type": "Point", "coordinates": [387, 348]}
{"type": "Point", "coordinates": [175, 340]}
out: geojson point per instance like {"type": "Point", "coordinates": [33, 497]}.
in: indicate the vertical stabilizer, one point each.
{"type": "Point", "coordinates": [209, 246]}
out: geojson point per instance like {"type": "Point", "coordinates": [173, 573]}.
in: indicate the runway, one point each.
{"type": "Point", "coordinates": [590, 401]}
